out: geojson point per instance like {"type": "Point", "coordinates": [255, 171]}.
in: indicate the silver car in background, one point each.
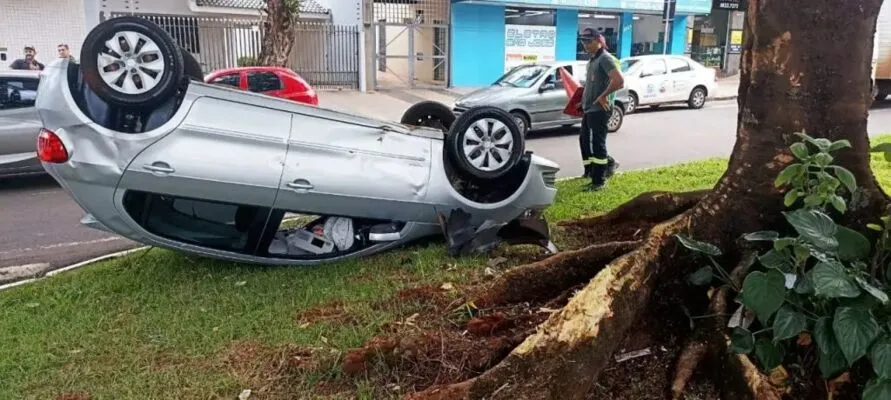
{"type": "Point", "coordinates": [534, 95]}
{"type": "Point", "coordinates": [19, 123]}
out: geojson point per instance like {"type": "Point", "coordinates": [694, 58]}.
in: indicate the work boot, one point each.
{"type": "Point", "coordinates": [587, 173]}
{"type": "Point", "coordinates": [598, 178]}
{"type": "Point", "coordinates": [611, 168]}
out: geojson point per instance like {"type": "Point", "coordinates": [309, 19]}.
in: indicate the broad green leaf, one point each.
{"type": "Point", "coordinates": [789, 173]}
{"type": "Point", "coordinates": [838, 203]}
{"type": "Point", "coordinates": [783, 243]}
{"type": "Point", "coordinates": [877, 389]}
{"type": "Point", "coordinates": [742, 341]}
{"type": "Point", "coordinates": [799, 150]}
{"type": "Point", "coordinates": [880, 357]}
{"type": "Point", "coordinates": [823, 159]}
{"type": "Point", "coordinates": [770, 355]}
{"type": "Point", "coordinates": [854, 329]}
{"type": "Point", "coordinates": [832, 362]}
{"type": "Point", "coordinates": [764, 293]}
{"type": "Point", "coordinates": [830, 280]}
{"type": "Point", "coordinates": [875, 227]}
{"type": "Point", "coordinates": [872, 290]}
{"type": "Point", "coordinates": [823, 335]}
{"type": "Point", "coordinates": [881, 147]}
{"type": "Point", "coordinates": [702, 276]}
{"type": "Point", "coordinates": [813, 200]}
{"type": "Point", "coordinates": [821, 143]}
{"type": "Point", "coordinates": [776, 260]}
{"type": "Point", "coordinates": [865, 301]}
{"type": "Point", "coordinates": [701, 247]}
{"type": "Point", "coordinates": [852, 245]}
{"type": "Point", "coordinates": [814, 226]}
{"type": "Point", "coordinates": [846, 177]}
{"type": "Point", "coordinates": [804, 285]}
{"type": "Point", "coordinates": [788, 324]}
{"type": "Point", "coordinates": [790, 197]}
{"type": "Point", "coordinates": [762, 236]}
{"type": "Point", "coordinates": [839, 144]}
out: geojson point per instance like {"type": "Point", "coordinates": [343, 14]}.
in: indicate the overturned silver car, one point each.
{"type": "Point", "coordinates": [152, 153]}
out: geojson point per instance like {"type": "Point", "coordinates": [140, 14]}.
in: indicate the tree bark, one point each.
{"type": "Point", "coordinates": [278, 32]}
{"type": "Point", "coordinates": [805, 67]}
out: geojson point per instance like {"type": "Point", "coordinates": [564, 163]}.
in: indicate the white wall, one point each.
{"type": "Point", "coordinates": [42, 24]}
{"type": "Point", "coordinates": [344, 12]}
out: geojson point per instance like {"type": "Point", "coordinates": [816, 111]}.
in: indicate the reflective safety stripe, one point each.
{"type": "Point", "coordinates": [595, 160]}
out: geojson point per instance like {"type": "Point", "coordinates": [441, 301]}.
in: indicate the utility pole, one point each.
{"type": "Point", "coordinates": [668, 10]}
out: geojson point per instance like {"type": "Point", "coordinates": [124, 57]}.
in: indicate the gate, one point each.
{"type": "Point", "coordinates": [324, 54]}
{"type": "Point", "coordinates": [411, 43]}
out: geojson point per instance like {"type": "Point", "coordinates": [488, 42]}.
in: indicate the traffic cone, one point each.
{"type": "Point", "coordinates": [573, 91]}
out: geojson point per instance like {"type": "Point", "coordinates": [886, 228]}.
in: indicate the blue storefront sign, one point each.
{"type": "Point", "coordinates": [682, 7]}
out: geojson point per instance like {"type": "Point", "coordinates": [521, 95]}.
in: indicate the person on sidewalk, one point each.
{"type": "Point", "coordinates": [29, 62]}
{"type": "Point", "coordinates": [602, 79]}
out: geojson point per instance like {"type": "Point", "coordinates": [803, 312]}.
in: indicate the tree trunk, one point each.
{"type": "Point", "coordinates": [805, 67]}
{"type": "Point", "coordinates": [278, 32]}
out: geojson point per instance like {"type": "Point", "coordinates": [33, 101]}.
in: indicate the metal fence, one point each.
{"type": "Point", "coordinates": [324, 54]}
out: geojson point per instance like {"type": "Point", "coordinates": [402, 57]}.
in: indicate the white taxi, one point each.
{"type": "Point", "coordinates": [654, 80]}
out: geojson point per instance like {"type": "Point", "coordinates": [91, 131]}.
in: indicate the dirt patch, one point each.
{"type": "Point", "coordinates": [333, 312]}
{"type": "Point", "coordinates": [273, 372]}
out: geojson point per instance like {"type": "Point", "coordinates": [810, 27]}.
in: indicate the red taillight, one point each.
{"type": "Point", "coordinates": [50, 148]}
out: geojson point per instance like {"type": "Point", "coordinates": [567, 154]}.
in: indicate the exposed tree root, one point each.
{"type": "Point", "coordinates": [650, 208]}
{"type": "Point", "coordinates": [547, 278]}
{"type": "Point", "coordinates": [708, 336]}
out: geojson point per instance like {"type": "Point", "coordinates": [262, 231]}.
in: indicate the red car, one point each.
{"type": "Point", "coordinates": [273, 81]}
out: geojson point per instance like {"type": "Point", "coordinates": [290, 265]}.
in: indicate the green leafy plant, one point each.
{"type": "Point", "coordinates": [813, 179]}
{"type": "Point", "coordinates": [824, 280]}
{"type": "Point", "coordinates": [248, 61]}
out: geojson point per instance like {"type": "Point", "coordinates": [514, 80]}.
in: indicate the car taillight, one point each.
{"type": "Point", "coordinates": [50, 148]}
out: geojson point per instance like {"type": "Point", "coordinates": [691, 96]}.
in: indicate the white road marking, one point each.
{"type": "Point", "coordinates": [60, 245]}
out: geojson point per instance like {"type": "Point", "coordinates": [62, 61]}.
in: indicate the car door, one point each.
{"type": "Point", "coordinates": [683, 78]}
{"type": "Point", "coordinates": [355, 168]}
{"type": "Point", "coordinates": [654, 82]}
{"type": "Point", "coordinates": [546, 106]}
{"type": "Point", "coordinates": [211, 182]}
{"type": "Point", "coordinates": [265, 82]}
{"type": "Point", "coordinates": [19, 121]}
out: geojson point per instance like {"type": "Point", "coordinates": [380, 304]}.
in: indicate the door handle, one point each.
{"type": "Point", "coordinates": [300, 184]}
{"type": "Point", "coordinates": [158, 167]}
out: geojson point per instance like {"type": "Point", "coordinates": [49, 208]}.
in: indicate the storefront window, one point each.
{"type": "Point", "coordinates": [709, 39]}
{"type": "Point", "coordinates": [605, 23]}
{"type": "Point", "coordinates": [648, 35]}
{"type": "Point", "coordinates": [525, 16]}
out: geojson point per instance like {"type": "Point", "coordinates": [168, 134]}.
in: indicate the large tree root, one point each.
{"type": "Point", "coordinates": [545, 279]}
{"type": "Point", "coordinates": [653, 207]}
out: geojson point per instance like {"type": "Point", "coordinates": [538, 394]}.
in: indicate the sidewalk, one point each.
{"type": "Point", "coordinates": [390, 104]}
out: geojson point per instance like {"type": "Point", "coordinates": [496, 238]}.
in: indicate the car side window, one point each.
{"type": "Point", "coordinates": [655, 68]}
{"type": "Point", "coordinates": [263, 82]}
{"type": "Point", "coordinates": [18, 92]}
{"type": "Point", "coordinates": [228, 80]}
{"type": "Point", "coordinates": [555, 77]}
{"type": "Point", "coordinates": [678, 65]}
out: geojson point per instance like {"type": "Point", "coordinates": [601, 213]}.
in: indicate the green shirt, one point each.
{"type": "Point", "coordinates": [597, 80]}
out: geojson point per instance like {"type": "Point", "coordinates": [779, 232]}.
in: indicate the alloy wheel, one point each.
{"type": "Point", "coordinates": [487, 144]}
{"type": "Point", "coordinates": [131, 63]}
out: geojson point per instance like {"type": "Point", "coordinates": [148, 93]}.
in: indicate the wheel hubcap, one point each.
{"type": "Point", "coordinates": [520, 124]}
{"type": "Point", "coordinates": [488, 144]}
{"type": "Point", "coordinates": [614, 119]}
{"type": "Point", "coordinates": [698, 98]}
{"type": "Point", "coordinates": [131, 63]}
{"type": "Point", "coordinates": [632, 105]}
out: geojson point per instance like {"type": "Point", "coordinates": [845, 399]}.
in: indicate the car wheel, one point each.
{"type": "Point", "coordinates": [430, 114]}
{"type": "Point", "coordinates": [697, 98]}
{"type": "Point", "coordinates": [616, 118]}
{"type": "Point", "coordinates": [485, 143]}
{"type": "Point", "coordinates": [130, 62]}
{"type": "Point", "coordinates": [521, 121]}
{"type": "Point", "coordinates": [632, 103]}
{"type": "Point", "coordinates": [191, 66]}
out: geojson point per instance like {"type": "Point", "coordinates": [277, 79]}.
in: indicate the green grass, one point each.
{"type": "Point", "coordinates": [159, 324]}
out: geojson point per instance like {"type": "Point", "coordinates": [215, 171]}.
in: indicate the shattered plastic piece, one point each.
{"type": "Point", "coordinates": [447, 286]}
{"type": "Point", "coordinates": [244, 395]}
{"type": "Point", "coordinates": [340, 231]}
{"type": "Point", "coordinates": [632, 354]}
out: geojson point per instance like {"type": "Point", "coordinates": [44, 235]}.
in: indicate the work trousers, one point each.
{"type": "Point", "coordinates": [592, 141]}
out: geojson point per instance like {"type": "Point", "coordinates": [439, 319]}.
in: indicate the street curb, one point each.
{"type": "Point", "coordinates": [72, 266]}
{"type": "Point", "coordinates": [728, 97]}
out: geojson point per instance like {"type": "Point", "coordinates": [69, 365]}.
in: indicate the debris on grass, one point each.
{"type": "Point", "coordinates": [632, 355]}
{"type": "Point", "coordinates": [333, 312]}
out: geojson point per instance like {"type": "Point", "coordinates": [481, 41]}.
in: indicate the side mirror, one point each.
{"type": "Point", "coordinates": [547, 86]}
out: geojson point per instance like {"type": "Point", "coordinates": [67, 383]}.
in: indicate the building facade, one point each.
{"type": "Point", "coordinates": [490, 36]}
{"type": "Point", "coordinates": [43, 24]}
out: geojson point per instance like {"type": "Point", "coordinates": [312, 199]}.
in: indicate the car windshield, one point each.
{"type": "Point", "coordinates": [626, 64]}
{"type": "Point", "coordinates": [523, 76]}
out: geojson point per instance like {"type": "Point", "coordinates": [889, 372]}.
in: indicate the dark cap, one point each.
{"type": "Point", "coordinates": [589, 37]}
{"type": "Point", "coordinates": [30, 47]}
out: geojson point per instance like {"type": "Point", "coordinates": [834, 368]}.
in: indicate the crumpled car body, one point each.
{"type": "Point", "coordinates": [221, 173]}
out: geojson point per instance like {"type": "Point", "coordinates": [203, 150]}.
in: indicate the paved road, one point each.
{"type": "Point", "coordinates": [40, 223]}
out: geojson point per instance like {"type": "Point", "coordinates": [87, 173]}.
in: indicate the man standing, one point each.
{"type": "Point", "coordinates": [602, 79]}
{"type": "Point", "coordinates": [64, 52]}
{"type": "Point", "coordinates": [29, 62]}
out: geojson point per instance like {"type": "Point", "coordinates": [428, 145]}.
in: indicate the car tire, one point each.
{"type": "Point", "coordinates": [616, 118]}
{"type": "Point", "coordinates": [130, 89]}
{"type": "Point", "coordinates": [191, 66]}
{"type": "Point", "coordinates": [633, 103]}
{"type": "Point", "coordinates": [473, 140]}
{"type": "Point", "coordinates": [430, 114]}
{"type": "Point", "coordinates": [697, 98]}
{"type": "Point", "coordinates": [521, 121]}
